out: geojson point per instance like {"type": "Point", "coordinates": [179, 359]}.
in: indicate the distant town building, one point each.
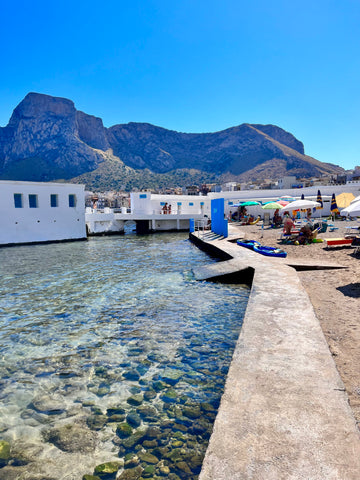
{"type": "Point", "coordinates": [230, 187]}
{"type": "Point", "coordinates": [288, 182]}
{"type": "Point", "coordinates": [191, 190]}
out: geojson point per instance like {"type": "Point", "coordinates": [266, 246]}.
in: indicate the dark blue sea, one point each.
{"type": "Point", "coordinates": [111, 352]}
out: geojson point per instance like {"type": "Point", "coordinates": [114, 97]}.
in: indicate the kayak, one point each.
{"type": "Point", "coordinates": [269, 251]}
{"type": "Point", "coordinates": [248, 243]}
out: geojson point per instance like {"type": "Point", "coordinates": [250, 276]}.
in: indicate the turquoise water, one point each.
{"type": "Point", "coordinates": [111, 351]}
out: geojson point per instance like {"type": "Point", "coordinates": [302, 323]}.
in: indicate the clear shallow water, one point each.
{"type": "Point", "coordinates": [112, 331]}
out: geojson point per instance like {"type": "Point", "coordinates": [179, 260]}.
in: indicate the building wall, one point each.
{"type": "Point", "coordinates": [146, 203]}
{"type": "Point", "coordinates": [310, 193]}
{"type": "Point", "coordinates": [41, 222]}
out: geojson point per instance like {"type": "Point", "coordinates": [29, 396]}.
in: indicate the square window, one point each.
{"type": "Point", "coordinates": [54, 201]}
{"type": "Point", "coordinates": [18, 200]}
{"type": "Point", "coordinates": [191, 204]}
{"type": "Point", "coordinates": [33, 201]}
{"type": "Point", "coordinates": [72, 200]}
{"type": "Point", "coordinates": [142, 195]}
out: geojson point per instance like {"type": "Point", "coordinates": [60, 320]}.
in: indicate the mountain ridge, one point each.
{"type": "Point", "coordinates": [47, 138]}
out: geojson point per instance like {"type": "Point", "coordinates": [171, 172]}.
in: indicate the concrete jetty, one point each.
{"type": "Point", "coordinates": [284, 413]}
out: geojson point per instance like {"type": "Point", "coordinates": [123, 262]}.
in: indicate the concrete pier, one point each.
{"type": "Point", "coordinates": [284, 413]}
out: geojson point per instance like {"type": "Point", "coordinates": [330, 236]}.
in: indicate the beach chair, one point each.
{"type": "Point", "coordinates": [266, 221]}
{"type": "Point", "coordinates": [287, 236]}
{"type": "Point", "coordinates": [337, 242]}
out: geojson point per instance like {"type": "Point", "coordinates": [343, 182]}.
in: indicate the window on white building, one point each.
{"type": "Point", "coordinates": [33, 201]}
{"type": "Point", "coordinates": [54, 200]}
{"type": "Point", "coordinates": [18, 200]}
{"type": "Point", "coordinates": [72, 200]}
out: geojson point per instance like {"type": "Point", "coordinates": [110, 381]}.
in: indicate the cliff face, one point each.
{"type": "Point", "coordinates": [43, 140]}
{"type": "Point", "coordinates": [47, 139]}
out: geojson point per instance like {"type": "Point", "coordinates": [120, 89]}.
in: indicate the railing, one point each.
{"type": "Point", "coordinates": [201, 226]}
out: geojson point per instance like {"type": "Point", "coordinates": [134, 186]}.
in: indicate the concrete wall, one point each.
{"type": "Point", "coordinates": [103, 222]}
{"type": "Point", "coordinates": [41, 222]}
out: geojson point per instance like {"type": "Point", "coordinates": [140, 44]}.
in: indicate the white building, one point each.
{"type": "Point", "coordinates": [287, 182]}
{"type": "Point", "coordinates": [151, 213]}
{"type": "Point", "coordinates": [150, 203]}
{"type": "Point", "coordinates": [33, 212]}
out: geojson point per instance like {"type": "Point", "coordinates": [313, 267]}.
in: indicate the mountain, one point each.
{"type": "Point", "coordinates": [48, 139]}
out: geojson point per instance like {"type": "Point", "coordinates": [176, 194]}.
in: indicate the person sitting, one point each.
{"type": "Point", "coordinates": [288, 225]}
{"type": "Point", "coordinates": [307, 234]}
{"type": "Point", "coordinates": [277, 220]}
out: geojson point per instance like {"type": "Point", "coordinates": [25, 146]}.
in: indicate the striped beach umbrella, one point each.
{"type": "Point", "coordinates": [319, 199]}
{"type": "Point", "coordinates": [334, 208]}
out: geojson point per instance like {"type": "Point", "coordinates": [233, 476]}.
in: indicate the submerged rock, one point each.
{"type": "Point", "coordinates": [124, 430]}
{"type": "Point", "coordinates": [72, 438]}
{"type": "Point", "coordinates": [132, 374]}
{"type": "Point", "coordinates": [172, 376]}
{"type": "Point", "coordinates": [148, 471]}
{"type": "Point", "coordinates": [109, 467]}
{"type": "Point", "coordinates": [169, 396]}
{"type": "Point", "coordinates": [192, 412]}
{"type": "Point", "coordinates": [150, 394]}
{"type": "Point", "coordinates": [147, 412]}
{"type": "Point", "coordinates": [4, 452]}
{"type": "Point", "coordinates": [148, 458]}
{"type": "Point", "coordinates": [135, 400]}
{"type": "Point", "coordinates": [118, 410]}
{"type": "Point", "coordinates": [131, 473]}
{"type": "Point", "coordinates": [133, 440]}
{"type": "Point", "coordinates": [131, 460]}
{"type": "Point", "coordinates": [133, 419]}
{"type": "Point", "coordinates": [183, 467]}
{"type": "Point", "coordinates": [53, 405]}
{"type": "Point", "coordinates": [96, 422]}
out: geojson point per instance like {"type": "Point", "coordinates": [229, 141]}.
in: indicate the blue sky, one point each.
{"type": "Point", "coordinates": [194, 65]}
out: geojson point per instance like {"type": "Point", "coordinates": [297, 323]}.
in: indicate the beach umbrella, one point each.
{"type": "Point", "coordinates": [248, 204]}
{"type": "Point", "coordinates": [283, 203]}
{"type": "Point", "coordinates": [344, 199]}
{"type": "Point", "coordinates": [319, 200]}
{"type": "Point", "coordinates": [286, 198]}
{"type": "Point", "coordinates": [271, 206]}
{"type": "Point", "coordinates": [244, 204]}
{"type": "Point", "coordinates": [353, 210]}
{"type": "Point", "coordinates": [334, 208]}
{"type": "Point", "coordinates": [300, 205]}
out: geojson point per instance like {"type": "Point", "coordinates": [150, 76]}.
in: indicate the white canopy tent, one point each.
{"type": "Point", "coordinates": [300, 205]}
{"type": "Point", "coordinates": [353, 210]}
{"type": "Point", "coordinates": [356, 199]}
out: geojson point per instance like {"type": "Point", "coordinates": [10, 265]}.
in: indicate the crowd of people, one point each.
{"type": "Point", "coordinates": [303, 235]}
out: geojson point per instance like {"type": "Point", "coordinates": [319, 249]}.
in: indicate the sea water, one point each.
{"type": "Point", "coordinates": [110, 351]}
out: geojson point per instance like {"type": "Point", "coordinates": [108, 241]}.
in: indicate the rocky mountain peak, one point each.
{"type": "Point", "coordinates": [36, 105]}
